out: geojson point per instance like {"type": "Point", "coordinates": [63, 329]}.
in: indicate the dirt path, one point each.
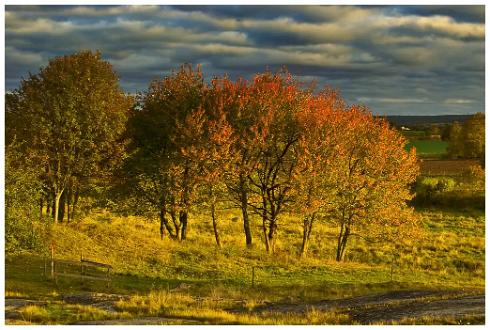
{"type": "Point", "coordinates": [100, 300]}
{"type": "Point", "coordinates": [380, 308]}
{"type": "Point", "coordinates": [396, 306]}
{"type": "Point", "coordinates": [141, 321]}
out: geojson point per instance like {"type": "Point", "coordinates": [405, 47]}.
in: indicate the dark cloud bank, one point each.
{"type": "Point", "coordinates": [395, 59]}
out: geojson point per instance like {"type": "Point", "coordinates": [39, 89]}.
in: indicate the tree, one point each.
{"type": "Point", "coordinates": [456, 147]}
{"type": "Point", "coordinates": [70, 117]}
{"type": "Point", "coordinates": [276, 99]}
{"type": "Point", "coordinates": [315, 154]}
{"type": "Point", "coordinates": [236, 99]}
{"type": "Point", "coordinates": [157, 169]}
{"type": "Point", "coordinates": [474, 136]}
{"type": "Point", "coordinates": [206, 142]}
{"type": "Point", "coordinates": [468, 139]}
{"type": "Point", "coordinates": [373, 174]}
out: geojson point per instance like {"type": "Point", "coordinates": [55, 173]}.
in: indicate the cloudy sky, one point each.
{"type": "Point", "coordinates": [395, 59]}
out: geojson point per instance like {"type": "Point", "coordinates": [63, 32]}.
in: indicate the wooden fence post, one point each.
{"type": "Point", "coordinates": [391, 268]}
{"type": "Point", "coordinates": [52, 261]}
{"type": "Point", "coordinates": [108, 277]}
{"type": "Point", "coordinates": [81, 267]}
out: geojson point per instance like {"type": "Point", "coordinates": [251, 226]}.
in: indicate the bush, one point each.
{"type": "Point", "coordinates": [475, 174]}
{"type": "Point", "coordinates": [427, 186]}
{"type": "Point", "coordinates": [21, 201]}
{"type": "Point", "coordinates": [440, 192]}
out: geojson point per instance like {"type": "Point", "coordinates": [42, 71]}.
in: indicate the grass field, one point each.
{"type": "Point", "coordinates": [176, 280]}
{"type": "Point", "coordinates": [428, 148]}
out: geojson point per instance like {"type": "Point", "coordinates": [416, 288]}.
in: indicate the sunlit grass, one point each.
{"type": "Point", "coordinates": [173, 279]}
{"type": "Point", "coordinates": [32, 313]}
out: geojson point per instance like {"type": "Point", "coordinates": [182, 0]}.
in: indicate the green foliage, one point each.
{"type": "Point", "coordinates": [70, 117]}
{"type": "Point", "coordinates": [157, 173]}
{"type": "Point", "coordinates": [22, 192]}
{"type": "Point", "coordinates": [426, 188]}
{"type": "Point", "coordinates": [429, 185]}
{"type": "Point", "coordinates": [449, 193]}
{"type": "Point", "coordinates": [467, 140]}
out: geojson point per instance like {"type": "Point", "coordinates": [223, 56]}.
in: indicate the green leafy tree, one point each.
{"type": "Point", "coordinates": [456, 140]}
{"type": "Point", "coordinates": [158, 171]}
{"type": "Point", "coordinates": [468, 139]}
{"type": "Point", "coordinates": [70, 118]}
{"type": "Point", "coordinates": [474, 136]}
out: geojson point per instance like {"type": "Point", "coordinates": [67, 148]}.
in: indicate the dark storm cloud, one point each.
{"type": "Point", "coordinates": [397, 60]}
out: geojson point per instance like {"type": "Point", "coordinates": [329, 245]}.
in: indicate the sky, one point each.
{"type": "Point", "coordinates": [397, 60]}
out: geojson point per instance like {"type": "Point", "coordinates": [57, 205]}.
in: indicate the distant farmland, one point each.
{"type": "Point", "coordinates": [428, 148]}
{"type": "Point", "coordinates": [446, 167]}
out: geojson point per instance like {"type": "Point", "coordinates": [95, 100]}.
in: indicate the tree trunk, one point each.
{"type": "Point", "coordinates": [272, 234]}
{"type": "Point", "coordinates": [307, 226]}
{"type": "Point", "coordinates": [177, 224]}
{"type": "Point", "coordinates": [56, 207]}
{"type": "Point", "coordinates": [342, 241]}
{"type": "Point", "coordinates": [53, 201]}
{"type": "Point", "coordinates": [69, 197]}
{"type": "Point", "coordinates": [41, 204]}
{"type": "Point", "coordinates": [61, 207]}
{"type": "Point", "coordinates": [244, 205]}
{"type": "Point", "coordinates": [162, 220]}
{"type": "Point", "coordinates": [183, 220]}
{"type": "Point", "coordinates": [339, 241]}
{"type": "Point", "coordinates": [75, 203]}
{"type": "Point", "coordinates": [215, 224]}
{"type": "Point", "coordinates": [164, 225]}
{"type": "Point", "coordinates": [48, 204]}
{"type": "Point", "coordinates": [264, 230]}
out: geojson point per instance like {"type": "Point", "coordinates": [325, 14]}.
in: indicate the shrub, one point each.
{"type": "Point", "coordinates": [21, 201]}
{"type": "Point", "coordinates": [475, 174]}
{"type": "Point", "coordinates": [33, 313]}
{"type": "Point", "coordinates": [427, 186]}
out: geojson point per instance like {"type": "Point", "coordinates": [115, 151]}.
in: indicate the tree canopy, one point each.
{"type": "Point", "coordinates": [266, 146]}
{"type": "Point", "coordinates": [70, 117]}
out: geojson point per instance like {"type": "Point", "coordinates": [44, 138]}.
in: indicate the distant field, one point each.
{"type": "Point", "coordinates": [446, 167]}
{"type": "Point", "coordinates": [428, 148]}
{"type": "Point", "coordinates": [414, 135]}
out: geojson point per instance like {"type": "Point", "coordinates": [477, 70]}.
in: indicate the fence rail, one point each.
{"type": "Point", "coordinates": [82, 264]}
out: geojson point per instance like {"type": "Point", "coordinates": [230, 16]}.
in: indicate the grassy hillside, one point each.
{"type": "Point", "coordinates": [450, 254]}
{"type": "Point", "coordinates": [195, 281]}
{"type": "Point", "coordinates": [453, 248]}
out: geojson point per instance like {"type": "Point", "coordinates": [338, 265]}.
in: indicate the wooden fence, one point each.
{"type": "Point", "coordinates": [83, 265]}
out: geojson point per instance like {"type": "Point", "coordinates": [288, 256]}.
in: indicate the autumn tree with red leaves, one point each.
{"type": "Point", "coordinates": [319, 122]}
{"type": "Point", "coordinates": [206, 139]}
{"type": "Point", "coordinates": [275, 100]}
{"type": "Point", "coordinates": [275, 146]}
